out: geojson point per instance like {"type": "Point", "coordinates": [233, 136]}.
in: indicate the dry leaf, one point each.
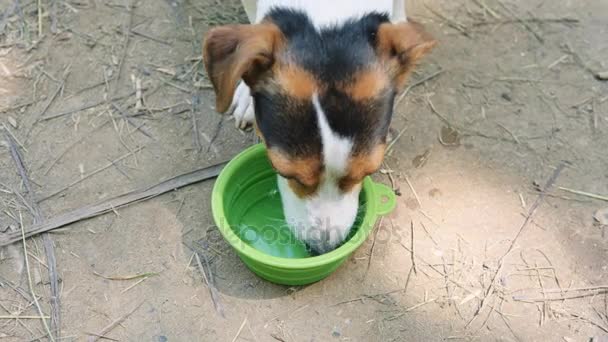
{"type": "Point", "coordinates": [449, 136]}
{"type": "Point", "coordinates": [421, 159]}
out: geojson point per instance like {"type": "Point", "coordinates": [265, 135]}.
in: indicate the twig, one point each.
{"type": "Point", "coordinates": [420, 304]}
{"type": "Point", "coordinates": [86, 106]}
{"type": "Point", "coordinates": [603, 328]}
{"type": "Point", "coordinates": [565, 20]}
{"type": "Point", "coordinates": [240, 330]}
{"type": "Point", "coordinates": [158, 40]}
{"type": "Point", "coordinates": [39, 18]}
{"type": "Point", "coordinates": [583, 193]}
{"type": "Point", "coordinates": [210, 284]}
{"type": "Point", "coordinates": [371, 251]}
{"type": "Point", "coordinates": [523, 23]}
{"type": "Point", "coordinates": [23, 317]}
{"type": "Point", "coordinates": [412, 254]}
{"type": "Point", "coordinates": [59, 89]}
{"type": "Point", "coordinates": [490, 289]}
{"type": "Point", "coordinates": [407, 180]}
{"type": "Point", "coordinates": [53, 14]}
{"type": "Point", "coordinates": [580, 61]}
{"type": "Point", "coordinates": [390, 145]}
{"type": "Point", "coordinates": [49, 246]}
{"type": "Point", "coordinates": [126, 117]}
{"type": "Point", "coordinates": [89, 175]}
{"type": "Point", "coordinates": [134, 284]}
{"type": "Point", "coordinates": [100, 336]}
{"type": "Point", "coordinates": [590, 288]}
{"type": "Point", "coordinates": [417, 83]}
{"type": "Point", "coordinates": [429, 234]}
{"type": "Point", "coordinates": [451, 22]}
{"type": "Point", "coordinates": [555, 299]}
{"type": "Point", "coordinates": [127, 32]}
{"type": "Point", "coordinates": [114, 324]}
{"type": "Point", "coordinates": [215, 134]}
{"type": "Point", "coordinates": [487, 8]}
{"type": "Point", "coordinates": [115, 203]}
{"type": "Point", "coordinates": [195, 132]}
{"type": "Point", "coordinates": [515, 139]}
{"type": "Point", "coordinates": [31, 284]}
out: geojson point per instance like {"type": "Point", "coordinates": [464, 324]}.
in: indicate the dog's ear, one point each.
{"type": "Point", "coordinates": [235, 52]}
{"type": "Point", "coordinates": [402, 45]}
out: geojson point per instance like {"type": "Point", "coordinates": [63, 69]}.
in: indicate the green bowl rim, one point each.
{"type": "Point", "coordinates": [372, 213]}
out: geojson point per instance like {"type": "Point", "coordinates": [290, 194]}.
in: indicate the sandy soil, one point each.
{"type": "Point", "coordinates": [517, 85]}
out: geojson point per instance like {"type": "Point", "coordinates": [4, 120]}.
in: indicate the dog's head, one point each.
{"type": "Point", "coordinates": [323, 104]}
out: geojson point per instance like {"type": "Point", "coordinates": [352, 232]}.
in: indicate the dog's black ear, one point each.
{"type": "Point", "coordinates": [402, 45]}
{"type": "Point", "coordinates": [235, 52]}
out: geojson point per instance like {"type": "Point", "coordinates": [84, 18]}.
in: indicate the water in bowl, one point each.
{"type": "Point", "coordinates": [257, 219]}
{"type": "Point", "coordinates": [261, 224]}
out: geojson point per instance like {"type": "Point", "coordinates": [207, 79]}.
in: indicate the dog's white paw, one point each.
{"type": "Point", "coordinates": [242, 107]}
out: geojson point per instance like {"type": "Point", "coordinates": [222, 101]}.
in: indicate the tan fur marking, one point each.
{"type": "Point", "coordinates": [303, 174]}
{"type": "Point", "coordinates": [366, 84]}
{"type": "Point", "coordinates": [296, 81]}
{"type": "Point", "coordinates": [362, 165]}
{"type": "Point", "coordinates": [401, 46]}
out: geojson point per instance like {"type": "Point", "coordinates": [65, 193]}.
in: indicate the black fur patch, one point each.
{"type": "Point", "coordinates": [333, 56]}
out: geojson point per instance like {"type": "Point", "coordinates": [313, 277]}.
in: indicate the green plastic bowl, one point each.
{"type": "Point", "coordinates": [247, 209]}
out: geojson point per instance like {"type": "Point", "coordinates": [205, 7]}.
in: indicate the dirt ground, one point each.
{"type": "Point", "coordinates": [514, 79]}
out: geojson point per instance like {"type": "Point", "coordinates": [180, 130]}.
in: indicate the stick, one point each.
{"type": "Point", "coordinates": [240, 330]}
{"type": "Point", "coordinates": [115, 203]}
{"type": "Point", "coordinates": [59, 89]}
{"type": "Point", "coordinates": [487, 8]}
{"type": "Point", "coordinates": [39, 18]}
{"type": "Point", "coordinates": [523, 226]}
{"type": "Point", "coordinates": [565, 20]}
{"type": "Point", "coordinates": [211, 285]}
{"type": "Point", "coordinates": [31, 284]}
{"type": "Point", "coordinates": [127, 31]}
{"type": "Point", "coordinates": [412, 255]}
{"type": "Point", "coordinates": [582, 193]}
{"type": "Point", "coordinates": [451, 22]}
{"type": "Point", "coordinates": [53, 14]}
{"type": "Point", "coordinates": [114, 324]}
{"type": "Point", "coordinates": [415, 84]}
{"type": "Point", "coordinates": [413, 191]}
{"type": "Point", "coordinates": [158, 40]}
{"type": "Point", "coordinates": [371, 251]}
{"type": "Point", "coordinates": [523, 23]}
{"type": "Point", "coordinates": [23, 317]}
{"type": "Point", "coordinates": [49, 247]}
{"type": "Point", "coordinates": [195, 133]}
{"type": "Point", "coordinates": [130, 121]}
{"type": "Point", "coordinates": [79, 180]}
{"type": "Point", "coordinates": [548, 299]}
{"type": "Point", "coordinates": [87, 106]}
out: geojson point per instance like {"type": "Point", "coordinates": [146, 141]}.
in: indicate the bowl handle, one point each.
{"type": "Point", "coordinates": [385, 199]}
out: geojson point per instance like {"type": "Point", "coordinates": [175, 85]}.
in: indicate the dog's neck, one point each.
{"type": "Point", "coordinates": [333, 12]}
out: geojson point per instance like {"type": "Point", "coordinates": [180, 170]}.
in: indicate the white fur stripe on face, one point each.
{"type": "Point", "coordinates": [336, 149]}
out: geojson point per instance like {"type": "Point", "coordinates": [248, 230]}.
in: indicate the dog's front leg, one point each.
{"type": "Point", "coordinates": [242, 107]}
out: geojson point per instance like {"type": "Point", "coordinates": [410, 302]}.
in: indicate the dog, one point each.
{"type": "Point", "coordinates": [317, 79]}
